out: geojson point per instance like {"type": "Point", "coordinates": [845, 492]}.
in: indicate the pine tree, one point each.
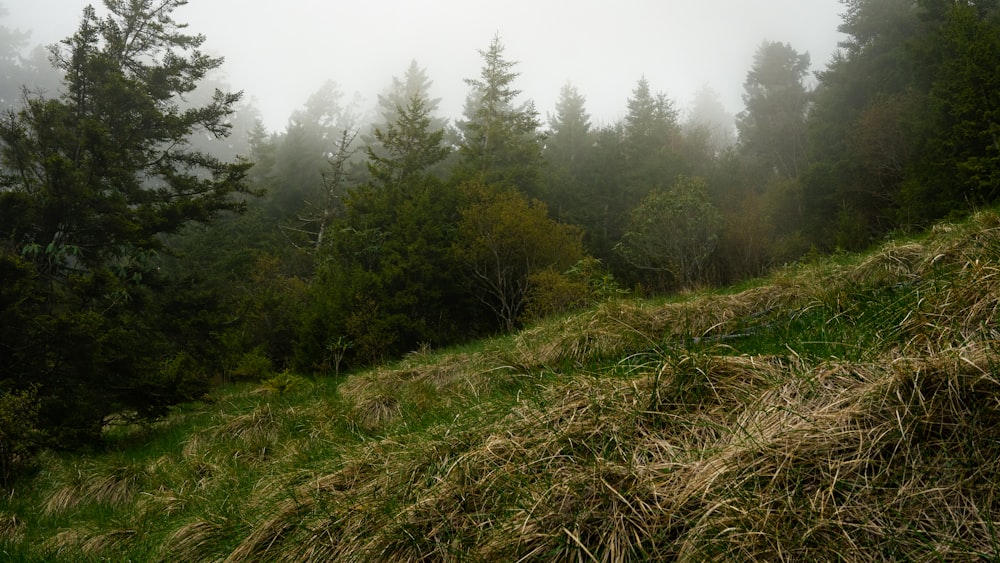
{"type": "Point", "coordinates": [501, 142]}
{"type": "Point", "coordinates": [567, 150]}
{"type": "Point", "coordinates": [386, 283]}
{"type": "Point", "coordinates": [91, 182]}
{"type": "Point", "coordinates": [772, 129]}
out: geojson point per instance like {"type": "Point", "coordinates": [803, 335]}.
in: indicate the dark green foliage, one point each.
{"type": "Point", "coordinates": [20, 436]}
{"type": "Point", "coordinates": [90, 183]}
{"type": "Point", "coordinates": [960, 130]}
{"type": "Point", "coordinates": [386, 280]}
{"type": "Point", "coordinates": [501, 144]}
{"type": "Point", "coordinates": [903, 130]}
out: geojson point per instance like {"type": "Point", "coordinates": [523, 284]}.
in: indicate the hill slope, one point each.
{"type": "Point", "coordinates": [842, 410]}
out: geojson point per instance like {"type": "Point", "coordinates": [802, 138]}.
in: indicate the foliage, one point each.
{"type": "Point", "coordinates": [89, 184]}
{"type": "Point", "coordinates": [959, 149]}
{"type": "Point", "coordinates": [20, 436]}
{"type": "Point", "coordinates": [553, 293]}
{"type": "Point", "coordinates": [500, 142]}
{"type": "Point", "coordinates": [503, 239]}
{"type": "Point", "coordinates": [285, 382]}
{"type": "Point", "coordinates": [253, 366]}
{"type": "Point", "coordinates": [772, 129]}
{"type": "Point", "coordinates": [385, 282]}
{"type": "Point", "coordinates": [673, 231]}
{"type": "Point", "coordinates": [841, 410]}
{"type": "Point", "coordinates": [709, 117]}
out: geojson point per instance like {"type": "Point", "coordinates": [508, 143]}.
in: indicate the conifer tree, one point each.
{"type": "Point", "coordinates": [89, 184]}
{"type": "Point", "coordinates": [501, 142]}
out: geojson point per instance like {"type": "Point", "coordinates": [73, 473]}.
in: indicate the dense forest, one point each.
{"type": "Point", "coordinates": [156, 239]}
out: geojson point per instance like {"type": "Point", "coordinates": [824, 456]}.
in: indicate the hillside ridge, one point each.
{"type": "Point", "coordinates": [841, 409]}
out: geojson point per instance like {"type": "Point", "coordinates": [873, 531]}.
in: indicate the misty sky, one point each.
{"type": "Point", "coordinates": [279, 52]}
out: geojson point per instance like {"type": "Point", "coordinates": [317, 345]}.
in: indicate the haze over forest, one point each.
{"type": "Point", "coordinates": [157, 241]}
{"type": "Point", "coordinates": [279, 54]}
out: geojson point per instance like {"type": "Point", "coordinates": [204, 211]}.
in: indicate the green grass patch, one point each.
{"type": "Point", "coordinates": [844, 409]}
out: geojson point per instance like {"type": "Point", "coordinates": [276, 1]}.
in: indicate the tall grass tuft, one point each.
{"type": "Point", "coordinates": [842, 410]}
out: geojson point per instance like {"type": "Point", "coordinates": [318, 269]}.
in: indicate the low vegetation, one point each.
{"type": "Point", "coordinates": [845, 409]}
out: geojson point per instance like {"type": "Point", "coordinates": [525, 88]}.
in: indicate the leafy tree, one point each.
{"type": "Point", "coordinates": [91, 181]}
{"type": "Point", "coordinates": [673, 231]}
{"type": "Point", "coordinates": [772, 129]}
{"type": "Point", "coordinates": [501, 143]}
{"type": "Point", "coordinates": [503, 239]}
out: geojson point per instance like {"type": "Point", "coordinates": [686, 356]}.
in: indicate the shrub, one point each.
{"type": "Point", "coordinates": [19, 434]}
{"type": "Point", "coordinates": [253, 366]}
{"type": "Point", "coordinates": [551, 293]}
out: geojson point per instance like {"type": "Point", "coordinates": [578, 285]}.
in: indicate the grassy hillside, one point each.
{"type": "Point", "coordinates": [843, 410]}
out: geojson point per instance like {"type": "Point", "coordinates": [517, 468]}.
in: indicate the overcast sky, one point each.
{"type": "Point", "coordinates": [279, 52]}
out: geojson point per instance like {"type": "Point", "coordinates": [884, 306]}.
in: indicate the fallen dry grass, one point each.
{"type": "Point", "coordinates": [625, 443]}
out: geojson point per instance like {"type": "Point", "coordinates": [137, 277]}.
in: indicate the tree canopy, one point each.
{"type": "Point", "coordinates": [91, 181]}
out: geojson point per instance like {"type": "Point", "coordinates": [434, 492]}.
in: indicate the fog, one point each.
{"type": "Point", "coordinates": [280, 52]}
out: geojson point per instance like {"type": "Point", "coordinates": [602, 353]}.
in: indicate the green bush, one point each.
{"type": "Point", "coordinates": [552, 293]}
{"type": "Point", "coordinates": [286, 382]}
{"type": "Point", "coordinates": [19, 434]}
{"type": "Point", "coordinates": [253, 366]}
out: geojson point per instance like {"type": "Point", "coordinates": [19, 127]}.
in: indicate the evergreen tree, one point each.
{"type": "Point", "coordinates": [91, 181]}
{"type": "Point", "coordinates": [638, 156]}
{"type": "Point", "coordinates": [650, 145]}
{"type": "Point", "coordinates": [414, 83]}
{"type": "Point", "coordinates": [386, 283]}
{"type": "Point", "coordinates": [12, 66]}
{"type": "Point", "coordinates": [501, 143]}
{"type": "Point", "coordinates": [302, 155]}
{"type": "Point", "coordinates": [772, 129]}
{"type": "Point", "coordinates": [959, 149]}
{"type": "Point", "coordinates": [567, 149]}
{"type": "Point", "coordinates": [860, 125]}
{"type": "Point", "coordinates": [709, 119]}
{"type": "Point", "coordinates": [569, 130]}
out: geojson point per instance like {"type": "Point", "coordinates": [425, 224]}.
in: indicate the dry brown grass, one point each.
{"type": "Point", "coordinates": [252, 436]}
{"type": "Point", "coordinates": [109, 485]}
{"type": "Point", "coordinates": [675, 453]}
{"type": "Point", "coordinates": [11, 528]}
{"type": "Point", "coordinates": [195, 541]}
{"type": "Point", "coordinates": [696, 458]}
